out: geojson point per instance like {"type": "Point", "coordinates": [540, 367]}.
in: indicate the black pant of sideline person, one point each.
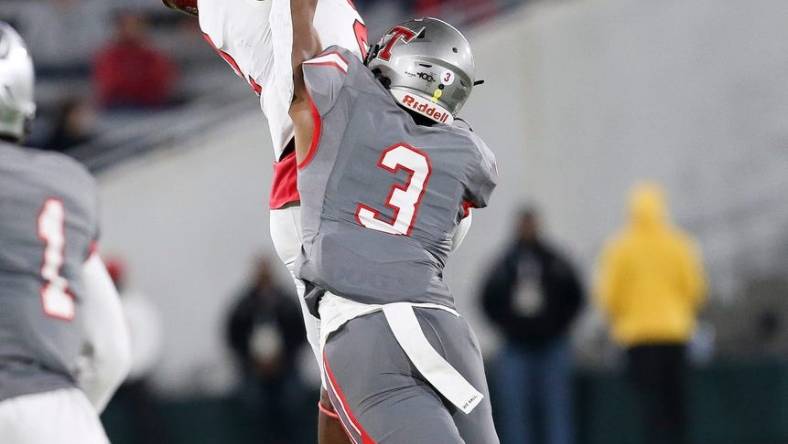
{"type": "Point", "coordinates": [658, 373]}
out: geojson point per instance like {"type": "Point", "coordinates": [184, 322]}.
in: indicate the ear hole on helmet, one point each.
{"type": "Point", "coordinates": [422, 34]}
{"type": "Point", "coordinates": [455, 50]}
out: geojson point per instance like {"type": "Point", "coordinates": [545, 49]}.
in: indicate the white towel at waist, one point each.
{"type": "Point", "coordinates": [335, 311]}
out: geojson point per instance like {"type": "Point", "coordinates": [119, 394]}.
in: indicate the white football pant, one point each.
{"type": "Point", "coordinates": [286, 236]}
{"type": "Point", "coordinates": [62, 416]}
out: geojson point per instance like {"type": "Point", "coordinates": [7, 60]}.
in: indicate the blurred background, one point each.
{"type": "Point", "coordinates": [583, 100]}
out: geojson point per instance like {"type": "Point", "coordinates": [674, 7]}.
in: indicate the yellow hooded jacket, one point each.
{"type": "Point", "coordinates": [651, 282]}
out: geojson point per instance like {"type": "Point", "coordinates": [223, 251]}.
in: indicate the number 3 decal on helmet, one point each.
{"type": "Point", "coordinates": [447, 78]}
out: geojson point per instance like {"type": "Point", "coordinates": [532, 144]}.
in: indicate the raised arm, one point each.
{"type": "Point", "coordinates": [306, 45]}
{"type": "Point", "coordinates": [306, 42]}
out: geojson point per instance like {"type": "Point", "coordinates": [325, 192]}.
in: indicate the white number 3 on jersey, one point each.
{"type": "Point", "coordinates": [404, 200]}
{"type": "Point", "coordinates": [57, 301]}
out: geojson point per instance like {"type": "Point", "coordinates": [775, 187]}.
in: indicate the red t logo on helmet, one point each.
{"type": "Point", "coordinates": [397, 33]}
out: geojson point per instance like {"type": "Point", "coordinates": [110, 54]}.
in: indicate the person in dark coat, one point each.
{"type": "Point", "coordinates": [532, 295]}
{"type": "Point", "coordinates": [266, 334]}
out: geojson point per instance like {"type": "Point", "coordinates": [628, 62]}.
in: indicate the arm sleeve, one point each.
{"type": "Point", "coordinates": [107, 353]}
{"type": "Point", "coordinates": [483, 175]}
{"type": "Point", "coordinates": [326, 75]}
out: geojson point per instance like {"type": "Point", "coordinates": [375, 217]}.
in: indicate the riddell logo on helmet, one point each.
{"type": "Point", "coordinates": [430, 110]}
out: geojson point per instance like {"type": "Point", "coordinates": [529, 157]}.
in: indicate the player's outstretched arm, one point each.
{"type": "Point", "coordinates": [306, 41]}
{"type": "Point", "coordinates": [306, 45]}
{"type": "Point", "coordinates": [108, 352]}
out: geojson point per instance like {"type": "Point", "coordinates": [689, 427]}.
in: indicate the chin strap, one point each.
{"type": "Point", "coordinates": [327, 410]}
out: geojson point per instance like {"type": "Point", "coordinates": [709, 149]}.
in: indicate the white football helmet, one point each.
{"type": "Point", "coordinates": [17, 105]}
{"type": "Point", "coordinates": [428, 66]}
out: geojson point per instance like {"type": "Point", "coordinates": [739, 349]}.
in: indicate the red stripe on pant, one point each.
{"type": "Point", "coordinates": [343, 409]}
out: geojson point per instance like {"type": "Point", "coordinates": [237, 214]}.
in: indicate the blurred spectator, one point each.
{"type": "Point", "coordinates": [65, 33]}
{"type": "Point", "coordinates": [130, 72]}
{"type": "Point", "coordinates": [532, 295]}
{"type": "Point", "coordinates": [74, 125]}
{"type": "Point", "coordinates": [266, 333]}
{"type": "Point", "coordinates": [145, 328]}
{"type": "Point", "coordinates": [651, 286]}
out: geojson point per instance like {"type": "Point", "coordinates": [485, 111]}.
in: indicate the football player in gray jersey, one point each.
{"type": "Point", "coordinates": [63, 342]}
{"type": "Point", "coordinates": [385, 178]}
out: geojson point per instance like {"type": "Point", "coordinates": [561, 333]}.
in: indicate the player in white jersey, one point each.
{"type": "Point", "coordinates": [63, 341]}
{"type": "Point", "coordinates": [255, 38]}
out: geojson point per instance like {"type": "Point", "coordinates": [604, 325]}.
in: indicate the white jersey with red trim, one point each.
{"type": "Point", "coordinates": [256, 39]}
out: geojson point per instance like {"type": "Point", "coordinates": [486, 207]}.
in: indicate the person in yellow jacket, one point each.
{"type": "Point", "coordinates": [651, 286]}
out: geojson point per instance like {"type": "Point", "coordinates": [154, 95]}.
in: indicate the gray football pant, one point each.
{"type": "Point", "coordinates": [381, 398]}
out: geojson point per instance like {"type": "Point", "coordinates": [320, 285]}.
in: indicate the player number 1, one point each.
{"type": "Point", "coordinates": [404, 200]}
{"type": "Point", "coordinates": [55, 297]}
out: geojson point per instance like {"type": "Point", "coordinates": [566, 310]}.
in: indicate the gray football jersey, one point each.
{"type": "Point", "coordinates": [48, 221]}
{"type": "Point", "coordinates": [381, 195]}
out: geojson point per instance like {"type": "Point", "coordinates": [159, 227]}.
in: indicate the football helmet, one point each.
{"type": "Point", "coordinates": [185, 6]}
{"type": "Point", "coordinates": [427, 65]}
{"type": "Point", "coordinates": [17, 79]}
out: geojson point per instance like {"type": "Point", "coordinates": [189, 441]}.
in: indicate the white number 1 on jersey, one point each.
{"type": "Point", "coordinates": [404, 200]}
{"type": "Point", "coordinates": [55, 298]}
